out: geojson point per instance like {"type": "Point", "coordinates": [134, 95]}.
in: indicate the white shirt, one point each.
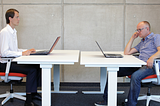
{"type": "Point", "coordinates": [8, 43]}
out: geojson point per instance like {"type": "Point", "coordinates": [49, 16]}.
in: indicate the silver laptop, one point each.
{"type": "Point", "coordinates": [46, 52]}
{"type": "Point", "coordinates": [109, 55]}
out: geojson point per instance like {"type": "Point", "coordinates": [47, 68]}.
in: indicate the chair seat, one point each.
{"type": "Point", "coordinates": [151, 76]}
{"type": "Point", "coordinates": [13, 74]}
{"type": "Point", "coordinates": [148, 77]}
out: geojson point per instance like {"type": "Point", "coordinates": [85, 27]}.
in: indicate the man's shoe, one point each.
{"type": "Point", "coordinates": [30, 104]}
{"type": "Point", "coordinates": [124, 103]}
{"type": "Point", "coordinates": [37, 96]}
{"type": "Point", "coordinates": [102, 103]}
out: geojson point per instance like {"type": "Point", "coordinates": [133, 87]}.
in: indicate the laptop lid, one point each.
{"type": "Point", "coordinates": [54, 44]}
{"type": "Point", "coordinates": [109, 55]}
{"type": "Point", "coordinates": [100, 48]}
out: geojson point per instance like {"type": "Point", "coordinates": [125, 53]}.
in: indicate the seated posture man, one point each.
{"type": "Point", "coordinates": [9, 48]}
{"type": "Point", "coordinates": [149, 49]}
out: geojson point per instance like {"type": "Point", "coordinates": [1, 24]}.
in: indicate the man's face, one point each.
{"type": "Point", "coordinates": [15, 20]}
{"type": "Point", "coordinates": [142, 30]}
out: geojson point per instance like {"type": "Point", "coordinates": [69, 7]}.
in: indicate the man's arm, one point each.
{"type": "Point", "coordinates": [154, 56]}
{"type": "Point", "coordinates": [128, 50]}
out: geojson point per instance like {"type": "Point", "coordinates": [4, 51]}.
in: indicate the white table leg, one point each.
{"type": "Point", "coordinates": [56, 77]}
{"type": "Point", "coordinates": [112, 86]}
{"type": "Point", "coordinates": [46, 84]}
{"type": "Point", "coordinates": [103, 78]}
{"type": "Point", "coordinates": [56, 81]}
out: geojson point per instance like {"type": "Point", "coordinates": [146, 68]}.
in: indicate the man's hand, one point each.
{"type": "Point", "coordinates": [28, 52]}
{"type": "Point", "coordinates": [32, 50]}
{"type": "Point", "coordinates": [135, 35]}
{"type": "Point", "coordinates": [150, 62]}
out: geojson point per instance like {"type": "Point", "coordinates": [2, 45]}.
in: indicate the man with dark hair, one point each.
{"type": "Point", "coordinates": [10, 13]}
{"type": "Point", "coordinates": [149, 49]}
{"type": "Point", "coordinates": [9, 48]}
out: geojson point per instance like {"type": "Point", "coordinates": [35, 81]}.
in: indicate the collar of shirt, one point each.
{"type": "Point", "coordinates": [13, 31]}
{"type": "Point", "coordinates": [150, 35]}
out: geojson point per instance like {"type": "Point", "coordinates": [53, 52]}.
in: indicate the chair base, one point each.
{"type": "Point", "coordinates": [148, 98]}
{"type": "Point", "coordinates": [9, 96]}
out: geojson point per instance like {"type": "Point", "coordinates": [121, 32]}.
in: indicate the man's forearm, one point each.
{"type": "Point", "coordinates": [128, 46]}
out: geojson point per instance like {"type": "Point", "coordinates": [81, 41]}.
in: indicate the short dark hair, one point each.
{"type": "Point", "coordinates": [10, 13]}
{"type": "Point", "coordinates": [147, 23]}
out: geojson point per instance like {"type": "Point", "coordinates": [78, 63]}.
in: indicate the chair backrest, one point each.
{"type": "Point", "coordinates": [6, 76]}
{"type": "Point", "coordinates": [156, 61]}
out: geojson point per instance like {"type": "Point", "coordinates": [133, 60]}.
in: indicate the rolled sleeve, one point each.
{"type": "Point", "coordinates": [157, 40]}
{"type": "Point", "coordinates": [138, 47]}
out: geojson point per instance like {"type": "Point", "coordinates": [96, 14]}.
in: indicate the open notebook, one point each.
{"type": "Point", "coordinates": [109, 55]}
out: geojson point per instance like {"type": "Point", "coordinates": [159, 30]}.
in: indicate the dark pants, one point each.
{"type": "Point", "coordinates": [33, 73]}
{"type": "Point", "coordinates": [137, 74]}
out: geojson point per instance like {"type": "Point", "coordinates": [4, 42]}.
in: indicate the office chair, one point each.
{"type": "Point", "coordinates": [150, 81]}
{"type": "Point", "coordinates": [11, 78]}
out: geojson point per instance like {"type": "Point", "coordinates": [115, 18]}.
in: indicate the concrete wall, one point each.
{"type": "Point", "coordinates": [0, 15]}
{"type": "Point", "coordinates": [80, 23]}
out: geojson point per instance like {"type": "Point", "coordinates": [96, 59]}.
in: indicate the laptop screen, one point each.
{"type": "Point", "coordinates": [100, 48]}
{"type": "Point", "coordinates": [54, 44]}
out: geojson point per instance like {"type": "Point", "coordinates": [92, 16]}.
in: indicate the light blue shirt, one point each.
{"type": "Point", "coordinates": [148, 46]}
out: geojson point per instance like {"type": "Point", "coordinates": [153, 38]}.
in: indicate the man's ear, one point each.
{"type": "Point", "coordinates": [10, 18]}
{"type": "Point", "coordinates": [148, 29]}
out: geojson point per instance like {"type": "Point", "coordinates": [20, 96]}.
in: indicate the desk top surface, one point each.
{"type": "Point", "coordinates": [55, 56]}
{"type": "Point", "coordinates": [96, 58]}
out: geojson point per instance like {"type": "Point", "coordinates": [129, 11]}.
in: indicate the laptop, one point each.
{"type": "Point", "coordinates": [46, 52]}
{"type": "Point", "coordinates": [109, 55]}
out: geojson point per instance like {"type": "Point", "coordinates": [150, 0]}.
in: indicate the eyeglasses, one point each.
{"type": "Point", "coordinates": [139, 30]}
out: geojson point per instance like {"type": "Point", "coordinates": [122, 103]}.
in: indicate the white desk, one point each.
{"type": "Point", "coordinates": [96, 59]}
{"type": "Point", "coordinates": [57, 57]}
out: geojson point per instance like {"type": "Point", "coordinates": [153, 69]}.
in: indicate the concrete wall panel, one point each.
{"type": "Point", "coordinates": [39, 25]}
{"type": "Point", "coordinates": [143, 1]}
{"type": "Point", "coordinates": [30, 1]}
{"type": "Point", "coordinates": [85, 24]}
{"type": "Point", "coordinates": [93, 1]}
{"type": "Point", "coordinates": [138, 13]}
{"type": "Point", "coordinates": [0, 17]}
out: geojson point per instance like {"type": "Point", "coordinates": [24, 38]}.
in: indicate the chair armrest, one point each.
{"type": "Point", "coordinates": [8, 60]}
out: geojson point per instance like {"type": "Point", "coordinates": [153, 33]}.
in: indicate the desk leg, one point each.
{"type": "Point", "coordinates": [112, 86]}
{"type": "Point", "coordinates": [46, 84]}
{"type": "Point", "coordinates": [103, 77]}
{"type": "Point", "coordinates": [56, 81]}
